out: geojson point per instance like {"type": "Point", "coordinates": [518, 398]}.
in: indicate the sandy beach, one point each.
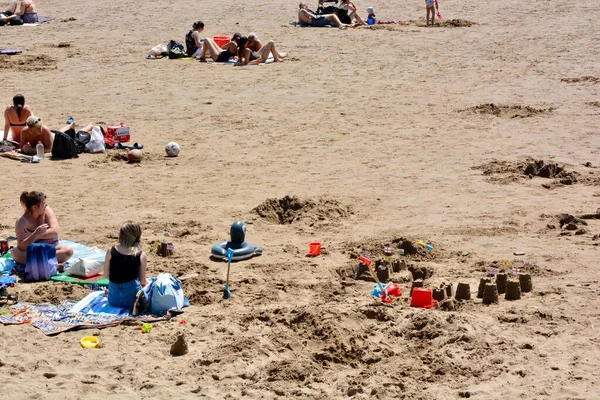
{"type": "Point", "coordinates": [363, 138]}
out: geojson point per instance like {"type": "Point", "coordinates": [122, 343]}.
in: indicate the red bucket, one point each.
{"type": "Point", "coordinates": [314, 248]}
{"type": "Point", "coordinates": [221, 40]}
{"type": "Point", "coordinates": [422, 298]}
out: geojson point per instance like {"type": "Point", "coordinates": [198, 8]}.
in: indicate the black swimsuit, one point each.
{"type": "Point", "coordinates": [190, 44]}
{"type": "Point", "coordinates": [224, 56]}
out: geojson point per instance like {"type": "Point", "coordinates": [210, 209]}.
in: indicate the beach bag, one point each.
{"type": "Point", "coordinates": [81, 139]}
{"type": "Point", "coordinates": [84, 268]}
{"type": "Point", "coordinates": [41, 262]}
{"type": "Point", "coordinates": [164, 294]}
{"type": "Point", "coordinates": [64, 146]}
{"type": "Point", "coordinates": [117, 133]}
{"type": "Point", "coordinates": [175, 49]}
{"type": "Point", "coordinates": [96, 143]}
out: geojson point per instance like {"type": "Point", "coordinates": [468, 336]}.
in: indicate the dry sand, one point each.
{"type": "Point", "coordinates": [380, 130]}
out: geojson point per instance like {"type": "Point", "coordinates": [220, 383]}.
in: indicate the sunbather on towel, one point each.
{"type": "Point", "coordinates": [308, 17]}
{"type": "Point", "coordinates": [38, 224]}
{"type": "Point", "coordinates": [247, 56]}
{"type": "Point", "coordinates": [7, 17]}
{"type": "Point", "coordinates": [25, 9]}
{"type": "Point", "coordinates": [125, 267]}
{"type": "Point", "coordinates": [218, 54]}
{"type": "Point", "coordinates": [348, 6]}
{"type": "Point", "coordinates": [15, 118]}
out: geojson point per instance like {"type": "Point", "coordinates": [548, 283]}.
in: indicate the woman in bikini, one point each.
{"type": "Point", "coordinates": [38, 224]}
{"type": "Point", "coordinates": [247, 54]}
{"type": "Point", "coordinates": [216, 53]}
{"type": "Point", "coordinates": [25, 9]}
{"type": "Point", "coordinates": [15, 118]}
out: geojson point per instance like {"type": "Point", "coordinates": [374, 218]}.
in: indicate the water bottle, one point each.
{"type": "Point", "coordinates": [39, 148]}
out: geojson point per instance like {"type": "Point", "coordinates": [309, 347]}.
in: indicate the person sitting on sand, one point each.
{"type": "Point", "coordinates": [7, 17]}
{"type": "Point", "coordinates": [193, 44]}
{"type": "Point", "coordinates": [38, 224]}
{"type": "Point", "coordinates": [25, 9]}
{"type": "Point", "coordinates": [125, 267]}
{"type": "Point", "coordinates": [308, 17]}
{"type": "Point", "coordinates": [15, 118]}
{"type": "Point", "coordinates": [247, 56]}
{"type": "Point", "coordinates": [349, 9]}
{"type": "Point", "coordinates": [216, 53]}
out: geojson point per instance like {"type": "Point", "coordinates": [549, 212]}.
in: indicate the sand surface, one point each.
{"type": "Point", "coordinates": [375, 135]}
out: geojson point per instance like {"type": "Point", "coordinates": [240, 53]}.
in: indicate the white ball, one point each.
{"type": "Point", "coordinates": [172, 149]}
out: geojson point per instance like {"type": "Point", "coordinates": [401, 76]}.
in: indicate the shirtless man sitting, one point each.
{"type": "Point", "coordinates": [308, 17]}
{"type": "Point", "coordinates": [38, 224]}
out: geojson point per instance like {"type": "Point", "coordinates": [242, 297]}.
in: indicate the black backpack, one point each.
{"type": "Point", "coordinates": [64, 146]}
{"type": "Point", "coordinates": [175, 49]}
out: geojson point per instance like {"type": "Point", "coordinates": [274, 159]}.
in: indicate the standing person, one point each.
{"type": "Point", "coordinates": [38, 224]}
{"type": "Point", "coordinates": [193, 44]}
{"type": "Point", "coordinates": [15, 118]}
{"type": "Point", "coordinates": [431, 4]}
{"type": "Point", "coordinates": [125, 267]}
{"type": "Point", "coordinates": [308, 17]}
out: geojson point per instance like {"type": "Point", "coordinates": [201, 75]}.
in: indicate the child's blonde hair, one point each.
{"type": "Point", "coordinates": [130, 236]}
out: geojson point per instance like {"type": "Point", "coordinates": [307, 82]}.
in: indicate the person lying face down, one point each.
{"type": "Point", "coordinates": [38, 224]}
{"type": "Point", "coordinates": [308, 17]}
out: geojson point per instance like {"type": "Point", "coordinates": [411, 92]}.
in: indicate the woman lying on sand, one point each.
{"type": "Point", "coordinates": [248, 56]}
{"type": "Point", "coordinates": [216, 53]}
{"type": "Point", "coordinates": [38, 224]}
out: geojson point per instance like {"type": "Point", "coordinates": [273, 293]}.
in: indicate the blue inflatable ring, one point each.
{"type": "Point", "coordinates": [241, 251]}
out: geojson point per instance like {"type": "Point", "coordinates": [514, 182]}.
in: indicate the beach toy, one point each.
{"type": "Point", "coordinates": [135, 155]}
{"type": "Point", "coordinates": [89, 342]}
{"type": "Point", "coordinates": [391, 290]}
{"type": "Point", "coordinates": [183, 322]}
{"type": "Point", "coordinates": [422, 298]}
{"type": "Point", "coordinates": [221, 40]}
{"type": "Point", "coordinates": [226, 292]}
{"type": "Point", "coordinates": [421, 243]}
{"type": "Point", "coordinates": [242, 250]}
{"type": "Point", "coordinates": [172, 149]}
{"type": "Point", "coordinates": [429, 247]}
{"type": "Point", "coordinates": [146, 328]}
{"type": "Point", "coordinates": [314, 248]}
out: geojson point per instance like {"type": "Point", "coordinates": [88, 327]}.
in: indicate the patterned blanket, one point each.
{"type": "Point", "coordinates": [91, 312]}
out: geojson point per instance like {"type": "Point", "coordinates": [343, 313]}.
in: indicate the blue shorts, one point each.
{"type": "Point", "coordinates": [123, 294]}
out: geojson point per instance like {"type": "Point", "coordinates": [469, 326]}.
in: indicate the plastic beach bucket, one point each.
{"type": "Point", "coordinates": [314, 248]}
{"type": "Point", "coordinates": [422, 298]}
{"type": "Point", "coordinates": [220, 40]}
{"type": "Point", "coordinates": [89, 342]}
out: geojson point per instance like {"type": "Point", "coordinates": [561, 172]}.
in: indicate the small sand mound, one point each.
{"type": "Point", "coordinates": [291, 209]}
{"type": "Point", "coordinates": [545, 170]}
{"type": "Point", "coordinates": [27, 63]}
{"type": "Point", "coordinates": [581, 79]}
{"type": "Point", "coordinates": [568, 224]}
{"type": "Point", "coordinates": [456, 23]}
{"type": "Point", "coordinates": [507, 172]}
{"type": "Point", "coordinates": [593, 103]}
{"type": "Point", "coordinates": [51, 292]}
{"type": "Point", "coordinates": [507, 111]}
